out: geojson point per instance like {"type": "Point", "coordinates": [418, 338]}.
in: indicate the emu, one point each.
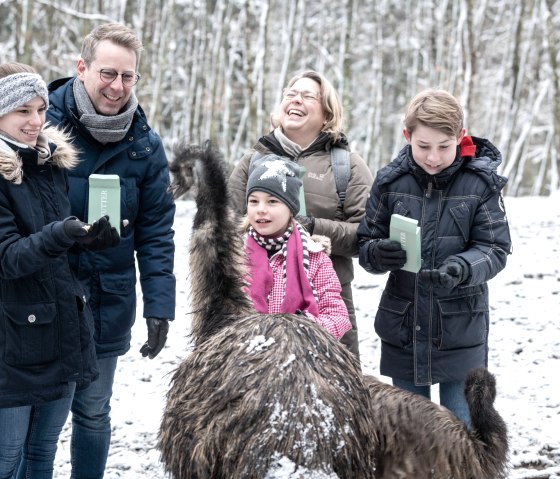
{"type": "Point", "coordinates": [259, 393]}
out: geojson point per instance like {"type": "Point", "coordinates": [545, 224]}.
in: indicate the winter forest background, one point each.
{"type": "Point", "coordinates": [216, 68]}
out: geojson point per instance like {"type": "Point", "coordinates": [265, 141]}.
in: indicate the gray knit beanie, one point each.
{"type": "Point", "coordinates": [277, 176]}
{"type": "Point", "coordinates": [19, 88]}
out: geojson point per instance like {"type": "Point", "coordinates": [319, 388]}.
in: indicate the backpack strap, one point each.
{"type": "Point", "coordinates": [340, 161]}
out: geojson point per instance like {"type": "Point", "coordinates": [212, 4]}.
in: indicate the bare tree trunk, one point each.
{"type": "Point", "coordinates": [553, 44]}
{"type": "Point", "coordinates": [290, 36]}
{"type": "Point", "coordinates": [259, 69]}
{"type": "Point", "coordinates": [345, 60]}
{"type": "Point", "coordinates": [373, 146]}
{"type": "Point", "coordinates": [511, 147]}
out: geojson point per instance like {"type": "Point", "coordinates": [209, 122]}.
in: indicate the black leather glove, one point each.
{"type": "Point", "coordinates": [157, 335]}
{"type": "Point", "coordinates": [109, 239]}
{"type": "Point", "coordinates": [448, 275]}
{"type": "Point", "coordinates": [94, 237]}
{"type": "Point", "coordinates": [308, 222]}
{"type": "Point", "coordinates": [387, 255]}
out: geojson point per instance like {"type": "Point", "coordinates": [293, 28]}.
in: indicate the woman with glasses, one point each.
{"type": "Point", "coordinates": [306, 126]}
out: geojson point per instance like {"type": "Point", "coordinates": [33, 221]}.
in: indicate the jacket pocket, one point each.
{"type": "Point", "coordinates": [140, 149]}
{"type": "Point", "coordinates": [31, 337]}
{"type": "Point", "coordinates": [461, 215]}
{"type": "Point", "coordinates": [118, 305]}
{"type": "Point", "coordinates": [401, 209]}
{"type": "Point", "coordinates": [392, 321]}
{"type": "Point", "coordinates": [463, 322]}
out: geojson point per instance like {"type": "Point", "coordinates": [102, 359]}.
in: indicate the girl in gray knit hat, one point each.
{"type": "Point", "coordinates": [45, 322]}
{"type": "Point", "coordinates": [289, 272]}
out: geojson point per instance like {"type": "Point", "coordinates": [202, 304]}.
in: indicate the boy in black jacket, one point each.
{"type": "Point", "coordinates": [434, 325]}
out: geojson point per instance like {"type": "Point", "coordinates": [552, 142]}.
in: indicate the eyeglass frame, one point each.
{"type": "Point", "coordinates": [305, 95]}
{"type": "Point", "coordinates": [116, 74]}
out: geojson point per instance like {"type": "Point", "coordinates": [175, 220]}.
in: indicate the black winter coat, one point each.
{"type": "Point", "coordinates": [46, 327]}
{"type": "Point", "coordinates": [431, 334]}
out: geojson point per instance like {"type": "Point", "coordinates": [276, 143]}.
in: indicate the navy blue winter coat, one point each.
{"type": "Point", "coordinates": [46, 327]}
{"type": "Point", "coordinates": [431, 334]}
{"type": "Point", "coordinates": [110, 275]}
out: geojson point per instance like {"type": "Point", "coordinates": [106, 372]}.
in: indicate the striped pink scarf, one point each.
{"type": "Point", "coordinates": [298, 293]}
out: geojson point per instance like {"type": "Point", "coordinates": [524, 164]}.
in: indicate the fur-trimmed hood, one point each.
{"type": "Point", "coordinates": [64, 156]}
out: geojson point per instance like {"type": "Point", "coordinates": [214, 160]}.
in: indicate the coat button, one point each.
{"type": "Point", "coordinates": [84, 299]}
{"type": "Point", "coordinates": [31, 318]}
{"type": "Point", "coordinates": [148, 148]}
{"type": "Point", "coordinates": [130, 138]}
{"type": "Point", "coordinates": [418, 328]}
{"type": "Point", "coordinates": [133, 153]}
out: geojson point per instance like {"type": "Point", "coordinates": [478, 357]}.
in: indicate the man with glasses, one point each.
{"type": "Point", "coordinates": [100, 111]}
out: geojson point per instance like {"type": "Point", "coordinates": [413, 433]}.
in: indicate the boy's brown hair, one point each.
{"type": "Point", "coordinates": [436, 109]}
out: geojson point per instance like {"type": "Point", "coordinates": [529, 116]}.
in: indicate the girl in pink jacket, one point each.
{"type": "Point", "coordinates": [289, 271]}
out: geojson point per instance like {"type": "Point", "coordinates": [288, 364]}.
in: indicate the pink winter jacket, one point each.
{"type": "Point", "coordinates": [333, 315]}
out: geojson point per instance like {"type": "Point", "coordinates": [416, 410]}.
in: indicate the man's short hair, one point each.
{"type": "Point", "coordinates": [117, 33]}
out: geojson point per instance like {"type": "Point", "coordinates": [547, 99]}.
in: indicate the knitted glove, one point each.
{"type": "Point", "coordinates": [308, 222]}
{"type": "Point", "coordinates": [448, 275]}
{"type": "Point", "coordinates": [94, 237]}
{"type": "Point", "coordinates": [157, 335]}
{"type": "Point", "coordinates": [387, 255]}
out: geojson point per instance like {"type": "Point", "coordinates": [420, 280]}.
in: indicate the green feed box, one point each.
{"type": "Point", "coordinates": [105, 198]}
{"type": "Point", "coordinates": [407, 232]}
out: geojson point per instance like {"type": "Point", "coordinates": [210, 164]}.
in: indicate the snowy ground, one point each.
{"type": "Point", "coordinates": [524, 352]}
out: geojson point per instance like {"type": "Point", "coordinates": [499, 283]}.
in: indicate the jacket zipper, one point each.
{"type": "Point", "coordinates": [429, 192]}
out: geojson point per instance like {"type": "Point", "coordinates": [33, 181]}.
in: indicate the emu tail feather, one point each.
{"type": "Point", "coordinates": [216, 253]}
{"type": "Point", "coordinates": [488, 426]}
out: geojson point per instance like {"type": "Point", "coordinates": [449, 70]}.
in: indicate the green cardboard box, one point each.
{"type": "Point", "coordinates": [105, 199]}
{"type": "Point", "coordinates": [407, 232]}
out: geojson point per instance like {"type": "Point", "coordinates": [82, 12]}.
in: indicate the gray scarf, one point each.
{"type": "Point", "coordinates": [289, 146]}
{"type": "Point", "coordinates": [105, 129]}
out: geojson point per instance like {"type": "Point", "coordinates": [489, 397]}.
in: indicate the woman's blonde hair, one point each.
{"type": "Point", "coordinates": [330, 102]}
{"type": "Point", "coordinates": [436, 109]}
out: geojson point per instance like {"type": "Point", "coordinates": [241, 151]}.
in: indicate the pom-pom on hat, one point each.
{"type": "Point", "coordinates": [277, 176]}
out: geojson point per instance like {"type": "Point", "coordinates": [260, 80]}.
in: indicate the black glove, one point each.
{"type": "Point", "coordinates": [448, 275]}
{"type": "Point", "coordinates": [387, 255]}
{"type": "Point", "coordinates": [308, 222]}
{"type": "Point", "coordinates": [97, 236]}
{"type": "Point", "coordinates": [157, 335]}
